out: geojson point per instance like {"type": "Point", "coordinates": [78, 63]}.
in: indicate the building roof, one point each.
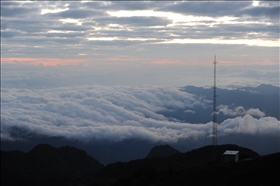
{"type": "Point", "coordinates": [231, 152]}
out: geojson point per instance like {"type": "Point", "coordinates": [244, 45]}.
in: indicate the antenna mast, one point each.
{"type": "Point", "coordinates": [214, 120]}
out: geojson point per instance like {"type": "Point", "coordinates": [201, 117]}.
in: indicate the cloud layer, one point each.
{"type": "Point", "coordinates": [240, 111]}
{"type": "Point", "coordinates": [114, 113]}
{"type": "Point", "coordinates": [101, 30]}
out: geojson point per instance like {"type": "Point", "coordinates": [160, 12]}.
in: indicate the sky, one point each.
{"type": "Point", "coordinates": [104, 69]}
{"type": "Point", "coordinates": [128, 43]}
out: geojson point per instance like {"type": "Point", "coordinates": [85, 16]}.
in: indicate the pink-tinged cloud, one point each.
{"type": "Point", "coordinates": [166, 62]}
{"type": "Point", "coordinates": [118, 60]}
{"type": "Point", "coordinates": [123, 59]}
{"type": "Point", "coordinates": [45, 61]}
{"type": "Point", "coordinates": [191, 62]}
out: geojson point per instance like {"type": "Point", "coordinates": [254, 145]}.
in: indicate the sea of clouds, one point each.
{"type": "Point", "coordinates": [116, 113]}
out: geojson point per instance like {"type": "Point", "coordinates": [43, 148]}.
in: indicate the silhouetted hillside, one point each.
{"type": "Point", "coordinates": [257, 171]}
{"type": "Point", "coordinates": [162, 151]}
{"type": "Point", "coordinates": [104, 151]}
{"type": "Point", "coordinates": [204, 156]}
{"type": "Point", "coordinates": [45, 164]}
{"type": "Point", "coordinates": [204, 166]}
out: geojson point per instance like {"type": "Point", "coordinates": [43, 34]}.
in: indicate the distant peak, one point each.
{"type": "Point", "coordinates": [162, 151]}
{"type": "Point", "coordinates": [42, 147]}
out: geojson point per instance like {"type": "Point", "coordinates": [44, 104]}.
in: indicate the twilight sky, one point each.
{"type": "Point", "coordinates": [128, 43]}
{"type": "Point", "coordinates": [104, 70]}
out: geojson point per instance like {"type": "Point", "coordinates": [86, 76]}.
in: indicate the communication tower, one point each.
{"type": "Point", "coordinates": [214, 120]}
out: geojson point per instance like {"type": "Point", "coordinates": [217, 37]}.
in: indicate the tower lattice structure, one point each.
{"type": "Point", "coordinates": [214, 119]}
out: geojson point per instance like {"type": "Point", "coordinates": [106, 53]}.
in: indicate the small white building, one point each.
{"type": "Point", "coordinates": [231, 156]}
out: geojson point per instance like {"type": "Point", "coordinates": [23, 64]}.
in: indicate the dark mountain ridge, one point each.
{"type": "Point", "coordinates": [162, 151]}
{"type": "Point", "coordinates": [204, 166]}
{"type": "Point", "coordinates": [46, 165]}
{"type": "Point", "coordinates": [261, 170]}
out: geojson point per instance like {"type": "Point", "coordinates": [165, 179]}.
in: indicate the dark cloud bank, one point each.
{"type": "Point", "coordinates": [124, 122]}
